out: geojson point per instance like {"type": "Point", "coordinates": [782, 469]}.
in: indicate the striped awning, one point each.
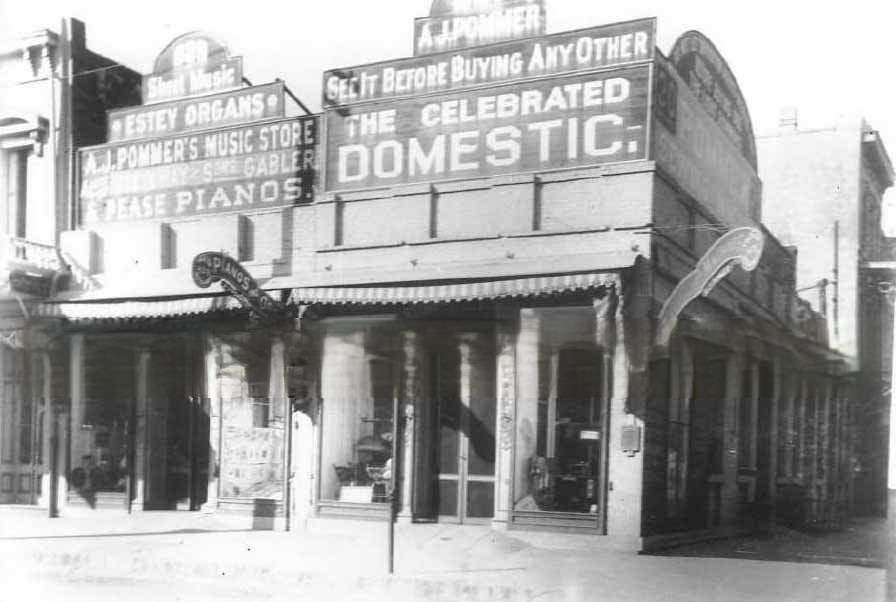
{"type": "Point", "coordinates": [453, 292]}
{"type": "Point", "coordinates": [121, 310]}
{"type": "Point", "coordinates": [117, 309]}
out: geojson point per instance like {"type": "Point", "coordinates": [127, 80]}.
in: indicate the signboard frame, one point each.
{"type": "Point", "coordinates": [310, 177]}
{"type": "Point", "coordinates": [454, 17]}
{"type": "Point", "coordinates": [645, 152]}
{"type": "Point", "coordinates": [167, 66]}
{"type": "Point", "coordinates": [273, 89]}
{"type": "Point", "coordinates": [492, 49]}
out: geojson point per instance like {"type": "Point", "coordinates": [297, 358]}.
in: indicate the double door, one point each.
{"type": "Point", "coordinates": [459, 434]}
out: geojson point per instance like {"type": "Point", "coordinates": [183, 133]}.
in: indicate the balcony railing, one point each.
{"type": "Point", "coordinates": [18, 252]}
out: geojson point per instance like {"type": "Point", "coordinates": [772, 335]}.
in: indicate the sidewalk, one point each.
{"type": "Point", "coordinates": [347, 561]}
{"type": "Point", "coordinates": [861, 542]}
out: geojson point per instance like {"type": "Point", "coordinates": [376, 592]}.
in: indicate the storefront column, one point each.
{"type": "Point", "coordinates": [277, 383]}
{"type": "Point", "coordinates": [730, 437]}
{"type": "Point", "coordinates": [46, 424]}
{"type": "Point", "coordinates": [774, 434]}
{"type": "Point", "coordinates": [526, 400]}
{"type": "Point", "coordinates": [626, 458]}
{"type": "Point", "coordinates": [76, 394]}
{"type": "Point", "coordinates": [413, 357]}
{"type": "Point", "coordinates": [505, 367]}
{"type": "Point", "coordinates": [213, 391]}
{"type": "Point", "coordinates": [823, 466]}
{"type": "Point", "coordinates": [141, 441]}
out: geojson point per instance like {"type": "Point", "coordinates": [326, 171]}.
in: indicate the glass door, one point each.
{"type": "Point", "coordinates": [445, 375]}
{"type": "Point", "coordinates": [462, 386]}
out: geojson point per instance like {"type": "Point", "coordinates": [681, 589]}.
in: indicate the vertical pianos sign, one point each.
{"type": "Point", "coordinates": [214, 266]}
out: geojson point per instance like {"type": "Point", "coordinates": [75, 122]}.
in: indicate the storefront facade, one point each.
{"type": "Point", "coordinates": [537, 296]}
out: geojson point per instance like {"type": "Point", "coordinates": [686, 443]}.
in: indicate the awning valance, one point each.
{"type": "Point", "coordinates": [121, 310]}
{"type": "Point", "coordinates": [452, 292]}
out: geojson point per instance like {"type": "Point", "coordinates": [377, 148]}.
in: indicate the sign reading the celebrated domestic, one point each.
{"type": "Point", "coordinates": [456, 24]}
{"type": "Point", "coordinates": [192, 64]}
{"type": "Point", "coordinates": [552, 123]}
{"type": "Point", "coordinates": [232, 169]}
{"type": "Point", "coordinates": [582, 50]}
{"type": "Point", "coordinates": [228, 108]}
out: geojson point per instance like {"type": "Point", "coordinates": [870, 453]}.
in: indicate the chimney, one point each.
{"type": "Point", "coordinates": [77, 35]}
{"type": "Point", "coordinates": [787, 119]}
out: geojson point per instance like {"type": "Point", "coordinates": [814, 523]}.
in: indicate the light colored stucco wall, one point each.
{"type": "Point", "coordinates": [811, 180]}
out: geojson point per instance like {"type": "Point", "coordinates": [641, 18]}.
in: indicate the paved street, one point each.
{"type": "Point", "coordinates": [209, 559]}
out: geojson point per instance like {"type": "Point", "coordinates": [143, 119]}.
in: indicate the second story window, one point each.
{"type": "Point", "coordinates": [21, 143]}
{"type": "Point", "coordinates": [15, 190]}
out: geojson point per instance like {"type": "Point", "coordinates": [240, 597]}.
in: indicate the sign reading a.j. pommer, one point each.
{"type": "Point", "coordinates": [570, 121]}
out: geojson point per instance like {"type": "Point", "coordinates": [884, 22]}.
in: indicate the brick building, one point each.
{"type": "Point", "coordinates": [542, 260]}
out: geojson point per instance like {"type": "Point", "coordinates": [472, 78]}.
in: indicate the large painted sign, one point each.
{"type": "Point", "coordinates": [741, 246]}
{"type": "Point", "coordinates": [192, 64]}
{"type": "Point", "coordinates": [707, 74]}
{"type": "Point", "coordinates": [456, 24]}
{"type": "Point", "coordinates": [552, 123]}
{"type": "Point", "coordinates": [573, 51]}
{"type": "Point", "coordinates": [247, 167]}
{"type": "Point", "coordinates": [218, 110]}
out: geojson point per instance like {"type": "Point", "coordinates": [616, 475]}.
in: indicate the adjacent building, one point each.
{"type": "Point", "coordinates": [823, 190]}
{"type": "Point", "coordinates": [55, 93]}
{"type": "Point", "coordinates": [526, 283]}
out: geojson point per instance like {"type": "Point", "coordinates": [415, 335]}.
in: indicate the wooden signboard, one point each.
{"type": "Point", "coordinates": [582, 50]}
{"type": "Point", "coordinates": [192, 64]}
{"type": "Point", "coordinates": [261, 165]}
{"type": "Point", "coordinates": [464, 23]}
{"type": "Point", "coordinates": [218, 110]}
{"type": "Point", "coordinates": [550, 123]}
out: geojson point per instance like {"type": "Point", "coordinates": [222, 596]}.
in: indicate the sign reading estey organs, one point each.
{"type": "Point", "coordinates": [553, 123]}
{"type": "Point", "coordinates": [469, 23]}
{"type": "Point", "coordinates": [253, 166]}
{"type": "Point", "coordinates": [193, 63]}
{"type": "Point", "coordinates": [228, 108]}
{"type": "Point", "coordinates": [582, 50]}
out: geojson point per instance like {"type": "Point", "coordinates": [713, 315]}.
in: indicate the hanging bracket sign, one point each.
{"type": "Point", "coordinates": [741, 246]}
{"type": "Point", "coordinates": [194, 63]}
{"type": "Point", "coordinates": [214, 266]}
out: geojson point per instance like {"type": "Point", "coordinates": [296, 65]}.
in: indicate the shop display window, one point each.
{"type": "Point", "coordinates": [253, 435]}
{"type": "Point", "coordinates": [360, 362]}
{"type": "Point", "coordinates": [562, 469]}
{"type": "Point", "coordinates": [100, 461]}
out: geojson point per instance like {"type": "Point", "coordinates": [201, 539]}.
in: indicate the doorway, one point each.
{"type": "Point", "coordinates": [177, 428]}
{"type": "Point", "coordinates": [706, 453]}
{"type": "Point", "coordinates": [458, 435]}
